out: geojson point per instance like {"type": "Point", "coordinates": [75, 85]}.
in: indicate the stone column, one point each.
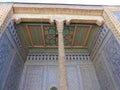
{"type": "Point", "coordinates": [62, 63]}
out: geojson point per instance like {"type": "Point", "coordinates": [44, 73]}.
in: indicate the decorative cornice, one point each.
{"type": "Point", "coordinates": [5, 15]}
{"type": "Point", "coordinates": [60, 25]}
{"type": "Point", "coordinates": [112, 22]}
{"type": "Point", "coordinates": [51, 56]}
{"type": "Point", "coordinates": [54, 9]}
{"type": "Point", "coordinates": [114, 9]}
{"type": "Point", "coordinates": [50, 18]}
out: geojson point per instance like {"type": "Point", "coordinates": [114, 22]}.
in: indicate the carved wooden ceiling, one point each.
{"type": "Point", "coordinates": [45, 35]}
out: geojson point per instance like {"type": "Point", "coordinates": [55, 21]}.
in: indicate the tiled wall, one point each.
{"type": "Point", "coordinates": [42, 75]}
{"type": "Point", "coordinates": [117, 14]}
{"type": "Point", "coordinates": [14, 75]}
{"type": "Point", "coordinates": [112, 55]}
{"type": "Point", "coordinates": [99, 39]}
{"type": "Point", "coordinates": [15, 33]}
{"type": "Point", "coordinates": [107, 63]}
{"type": "Point", "coordinates": [11, 61]}
{"type": "Point", "coordinates": [5, 57]}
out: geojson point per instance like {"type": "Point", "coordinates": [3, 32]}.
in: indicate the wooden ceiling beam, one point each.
{"type": "Point", "coordinates": [18, 18]}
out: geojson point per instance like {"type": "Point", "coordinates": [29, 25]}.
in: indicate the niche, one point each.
{"type": "Point", "coordinates": [53, 88]}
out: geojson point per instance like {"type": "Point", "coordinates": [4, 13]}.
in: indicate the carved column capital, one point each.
{"type": "Point", "coordinates": [68, 21]}
{"type": "Point", "coordinates": [60, 25]}
{"type": "Point", "coordinates": [51, 20]}
{"type": "Point", "coordinates": [18, 20]}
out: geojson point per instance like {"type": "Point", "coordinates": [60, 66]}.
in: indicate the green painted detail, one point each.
{"type": "Point", "coordinates": [65, 41]}
{"type": "Point", "coordinates": [66, 31]}
{"type": "Point", "coordinates": [33, 23]}
{"type": "Point", "coordinates": [88, 34]}
{"type": "Point", "coordinates": [24, 37]}
{"type": "Point", "coordinates": [93, 35]}
{"type": "Point", "coordinates": [36, 35]}
{"type": "Point", "coordinates": [92, 39]}
{"type": "Point", "coordinates": [29, 35]}
{"type": "Point", "coordinates": [74, 35]}
{"type": "Point", "coordinates": [56, 47]}
{"type": "Point", "coordinates": [80, 35]}
{"type": "Point", "coordinates": [43, 35]}
{"type": "Point", "coordinates": [52, 31]}
{"type": "Point", "coordinates": [52, 41]}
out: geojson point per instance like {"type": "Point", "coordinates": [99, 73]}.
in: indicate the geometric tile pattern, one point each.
{"type": "Point", "coordinates": [117, 14]}
{"type": "Point", "coordinates": [14, 75]}
{"type": "Point", "coordinates": [11, 65]}
{"type": "Point", "coordinates": [54, 56]}
{"type": "Point", "coordinates": [6, 54]}
{"type": "Point", "coordinates": [14, 32]}
{"type": "Point", "coordinates": [80, 76]}
{"type": "Point", "coordinates": [44, 34]}
{"type": "Point", "coordinates": [103, 74]}
{"type": "Point", "coordinates": [107, 63]}
{"type": "Point", "coordinates": [98, 40]}
{"type": "Point", "coordinates": [112, 54]}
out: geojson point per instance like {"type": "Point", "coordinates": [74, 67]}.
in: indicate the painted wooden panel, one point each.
{"type": "Point", "coordinates": [41, 34]}
{"type": "Point", "coordinates": [36, 34]}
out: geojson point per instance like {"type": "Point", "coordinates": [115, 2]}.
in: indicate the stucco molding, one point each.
{"type": "Point", "coordinates": [112, 22]}
{"type": "Point", "coordinates": [5, 15]}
